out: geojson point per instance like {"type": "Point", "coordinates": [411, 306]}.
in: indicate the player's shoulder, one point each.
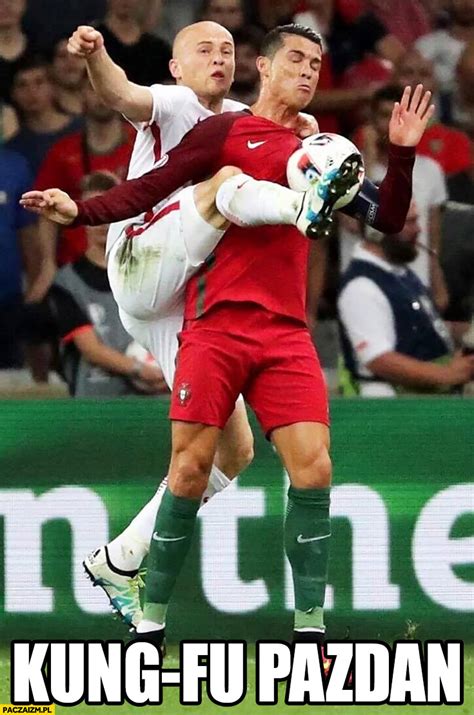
{"type": "Point", "coordinates": [231, 105]}
{"type": "Point", "coordinates": [178, 94]}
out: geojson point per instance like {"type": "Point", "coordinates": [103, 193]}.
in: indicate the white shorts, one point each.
{"type": "Point", "coordinates": [159, 337]}
{"type": "Point", "coordinates": [149, 266]}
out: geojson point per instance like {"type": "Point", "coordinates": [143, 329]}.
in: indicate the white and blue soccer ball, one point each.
{"type": "Point", "coordinates": [319, 156]}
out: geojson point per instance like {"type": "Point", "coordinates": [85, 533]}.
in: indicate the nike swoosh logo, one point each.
{"type": "Point", "coordinates": [301, 540]}
{"type": "Point", "coordinates": [254, 145]}
{"type": "Point", "coordinates": [156, 537]}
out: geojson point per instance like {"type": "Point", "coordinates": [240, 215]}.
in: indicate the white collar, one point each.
{"type": "Point", "coordinates": [362, 254]}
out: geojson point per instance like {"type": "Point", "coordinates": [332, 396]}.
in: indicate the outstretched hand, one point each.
{"type": "Point", "coordinates": [410, 117]}
{"type": "Point", "coordinates": [52, 204]}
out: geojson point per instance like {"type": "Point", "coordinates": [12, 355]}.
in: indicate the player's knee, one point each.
{"type": "Point", "coordinates": [189, 474]}
{"type": "Point", "coordinates": [234, 459]}
{"type": "Point", "coordinates": [314, 470]}
{"type": "Point", "coordinates": [227, 172]}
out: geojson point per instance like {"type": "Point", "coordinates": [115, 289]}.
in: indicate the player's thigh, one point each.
{"type": "Point", "coordinates": [235, 446]}
{"type": "Point", "coordinates": [290, 387]}
{"type": "Point", "coordinates": [138, 272]}
{"type": "Point", "coordinates": [304, 450]}
{"type": "Point", "coordinates": [210, 372]}
{"type": "Point", "coordinates": [200, 233]}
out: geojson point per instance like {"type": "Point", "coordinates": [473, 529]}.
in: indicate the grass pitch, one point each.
{"type": "Point", "coordinates": [171, 705]}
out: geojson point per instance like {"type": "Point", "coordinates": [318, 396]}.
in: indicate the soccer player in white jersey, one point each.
{"type": "Point", "coordinates": [203, 67]}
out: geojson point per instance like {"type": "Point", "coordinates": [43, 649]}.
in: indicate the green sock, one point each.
{"type": "Point", "coordinates": [307, 529]}
{"type": "Point", "coordinates": [170, 543]}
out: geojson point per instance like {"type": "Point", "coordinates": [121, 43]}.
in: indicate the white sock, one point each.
{"type": "Point", "coordinates": [129, 548]}
{"type": "Point", "coordinates": [147, 626]}
{"type": "Point", "coordinates": [217, 482]}
{"type": "Point", "coordinates": [248, 202]}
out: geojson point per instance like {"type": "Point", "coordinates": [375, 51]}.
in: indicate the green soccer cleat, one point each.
{"type": "Point", "coordinates": [121, 587]}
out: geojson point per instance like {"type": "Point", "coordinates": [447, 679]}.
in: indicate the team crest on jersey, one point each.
{"type": "Point", "coordinates": [184, 393]}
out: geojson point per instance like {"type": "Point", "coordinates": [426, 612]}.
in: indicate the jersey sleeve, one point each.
{"type": "Point", "coordinates": [386, 207]}
{"type": "Point", "coordinates": [368, 319]}
{"type": "Point", "coordinates": [168, 101]}
{"type": "Point", "coordinates": [68, 316]}
{"type": "Point", "coordinates": [193, 159]}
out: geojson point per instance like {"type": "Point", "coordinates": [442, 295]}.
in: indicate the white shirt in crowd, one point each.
{"type": "Point", "coordinates": [444, 51]}
{"type": "Point", "coordinates": [176, 110]}
{"type": "Point", "coordinates": [368, 319]}
{"type": "Point", "coordinates": [429, 190]}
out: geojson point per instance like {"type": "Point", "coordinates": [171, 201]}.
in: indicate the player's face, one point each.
{"type": "Point", "coordinates": [32, 91]}
{"type": "Point", "coordinates": [206, 63]}
{"type": "Point", "coordinates": [292, 76]}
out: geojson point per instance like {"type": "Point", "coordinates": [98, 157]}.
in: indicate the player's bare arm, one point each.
{"type": "Point", "coordinates": [108, 79]}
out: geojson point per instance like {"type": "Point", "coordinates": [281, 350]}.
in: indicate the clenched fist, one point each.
{"type": "Point", "coordinates": [85, 41]}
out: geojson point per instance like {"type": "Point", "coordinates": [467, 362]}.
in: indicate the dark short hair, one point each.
{"type": "Point", "coordinates": [98, 182]}
{"type": "Point", "coordinates": [273, 40]}
{"type": "Point", "coordinates": [31, 62]}
{"type": "Point", "coordinates": [389, 93]}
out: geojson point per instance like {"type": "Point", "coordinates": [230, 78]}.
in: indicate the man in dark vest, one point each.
{"type": "Point", "coordinates": [393, 339]}
{"type": "Point", "coordinates": [93, 342]}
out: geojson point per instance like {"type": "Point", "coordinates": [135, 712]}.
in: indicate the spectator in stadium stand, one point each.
{"type": "Point", "coordinates": [444, 46]}
{"type": "Point", "coordinates": [16, 241]}
{"type": "Point", "coordinates": [246, 79]}
{"type": "Point", "coordinates": [143, 56]}
{"type": "Point", "coordinates": [167, 18]}
{"type": "Point", "coordinates": [393, 339]}
{"type": "Point", "coordinates": [448, 146]}
{"type": "Point", "coordinates": [350, 35]}
{"type": "Point", "coordinates": [405, 19]}
{"type": "Point", "coordinates": [41, 123]}
{"type": "Point", "coordinates": [69, 75]}
{"type": "Point", "coordinates": [14, 44]}
{"type": "Point", "coordinates": [457, 259]}
{"type": "Point", "coordinates": [104, 144]}
{"type": "Point", "coordinates": [429, 191]}
{"type": "Point", "coordinates": [463, 99]}
{"type": "Point", "coordinates": [228, 13]}
{"type": "Point", "coordinates": [93, 341]}
{"type": "Point", "coordinates": [8, 122]}
{"type": "Point", "coordinates": [50, 20]}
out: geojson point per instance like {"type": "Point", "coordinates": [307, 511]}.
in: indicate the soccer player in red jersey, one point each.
{"type": "Point", "coordinates": [245, 329]}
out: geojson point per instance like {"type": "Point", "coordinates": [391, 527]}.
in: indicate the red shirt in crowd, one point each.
{"type": "Point", "coordinates": [66, 164]}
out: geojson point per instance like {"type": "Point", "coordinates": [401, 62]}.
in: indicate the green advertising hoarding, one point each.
{"type": "Point", "coordinates": [402, 555]}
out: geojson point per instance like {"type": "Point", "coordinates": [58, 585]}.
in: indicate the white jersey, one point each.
{"type": "Point", "coordinates": [176, 110]}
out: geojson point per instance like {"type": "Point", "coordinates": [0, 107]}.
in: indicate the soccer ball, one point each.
{"type": "Point", "coordinates": [137, 351]}
{"type": "Point", "coordinates": [319, 155]}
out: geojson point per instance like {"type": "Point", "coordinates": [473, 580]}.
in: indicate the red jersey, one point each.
{"type": "Point", "coordinates": [65, 165]}
{"type": "Point", "coordinates": [264, 265]}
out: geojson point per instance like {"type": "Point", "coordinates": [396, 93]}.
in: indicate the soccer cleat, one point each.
{"type": "Point", "coordinates": [121, 587]}
{"type": "Point", "coordinates": [158, 638]}
{"type": "Point", "coordinates": [315, 215]}
{"type": "Point", "coordinates": [314, 637]}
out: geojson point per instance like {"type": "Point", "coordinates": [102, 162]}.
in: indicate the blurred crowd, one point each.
{"type": "Point", "coordinates": [55, 131]}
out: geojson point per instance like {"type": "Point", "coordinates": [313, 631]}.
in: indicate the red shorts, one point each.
{"type": "Point", "coordinates": [244, 349]}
